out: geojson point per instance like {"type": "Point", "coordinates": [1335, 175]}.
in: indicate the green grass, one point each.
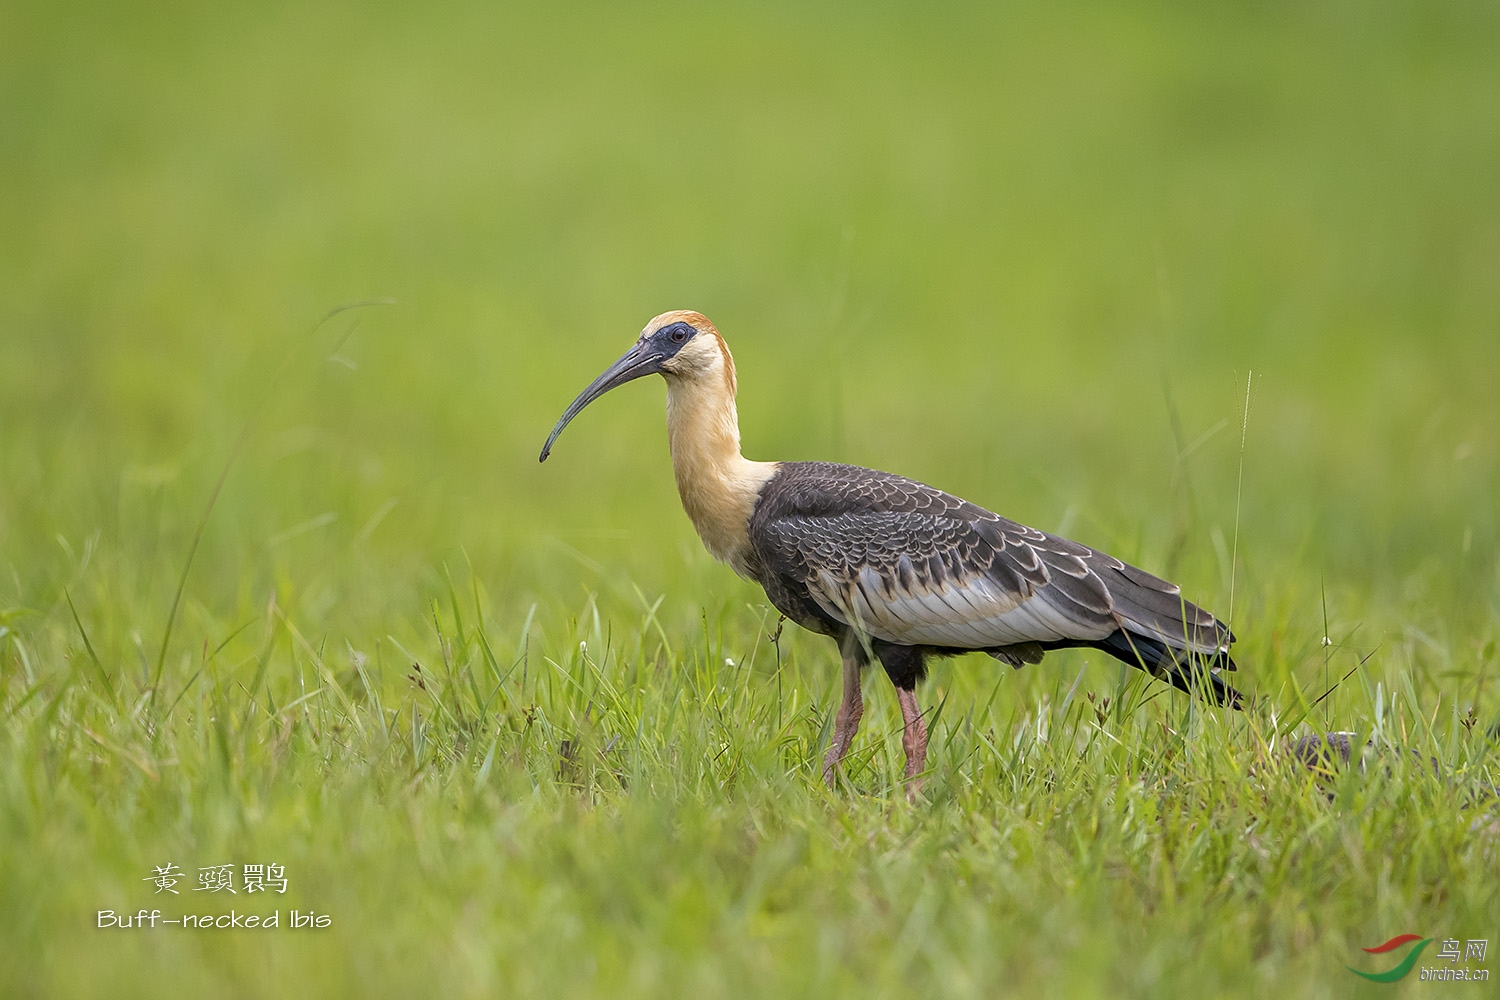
{"type": "Point", "coordinates": [1030, 254]}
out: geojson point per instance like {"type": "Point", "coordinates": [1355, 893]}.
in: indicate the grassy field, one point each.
{"type": "Point", "coordinates": [285, 587]}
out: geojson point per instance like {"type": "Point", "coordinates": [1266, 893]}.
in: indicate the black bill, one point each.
{"type": "Point", "coordinates": [642, 359]}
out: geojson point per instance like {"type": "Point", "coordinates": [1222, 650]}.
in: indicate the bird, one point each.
{"type": "Point", "coordinates": [893, 570]}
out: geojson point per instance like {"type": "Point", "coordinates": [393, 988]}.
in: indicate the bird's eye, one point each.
{"type": "Point", "coordinates": [679, 335]}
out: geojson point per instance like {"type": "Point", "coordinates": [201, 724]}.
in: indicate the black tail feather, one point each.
{"type": "Point", "coordinates": [1195, 673]}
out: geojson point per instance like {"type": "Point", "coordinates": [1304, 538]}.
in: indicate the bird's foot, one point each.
{"type": "Point", "coordinates": [843, 735]}
{"type": "Point", "coordinates": [846, 723]}
{"type": "Point", "coordinates": [830, 769]}
{"type": "Point", "coordinates": [913, 741]}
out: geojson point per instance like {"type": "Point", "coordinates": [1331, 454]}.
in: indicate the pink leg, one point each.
{"type": "Point", "coordinates": [846, 724]}
{"type": "Point", "coordinates": [913, 740]}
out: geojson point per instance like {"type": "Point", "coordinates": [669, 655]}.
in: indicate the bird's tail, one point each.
{"type": "Point", "coordinates": [1191, 671]}
{"type": "Point", "coordinates": [1165, 635]}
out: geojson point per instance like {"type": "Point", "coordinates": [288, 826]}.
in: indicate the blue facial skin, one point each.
{"type": "Point", "coordinates": [670, 339]}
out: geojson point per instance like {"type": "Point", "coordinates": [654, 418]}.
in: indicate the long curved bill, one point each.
{"type": "Point", "coordinates": [639, 361]}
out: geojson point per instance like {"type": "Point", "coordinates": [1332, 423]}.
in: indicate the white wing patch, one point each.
{"type": "Point", "coordinates": [973, 613]}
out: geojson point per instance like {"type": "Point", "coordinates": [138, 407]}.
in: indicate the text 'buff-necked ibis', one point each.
{"type": "Point", "coordinates": [893, 569]}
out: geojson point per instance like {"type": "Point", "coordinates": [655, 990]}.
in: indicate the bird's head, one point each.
{"type": "Point", "coordinates": [680, 345]}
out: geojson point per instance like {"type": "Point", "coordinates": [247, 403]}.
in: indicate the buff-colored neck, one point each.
{"type": "Point", "coordinates": [717, 484]}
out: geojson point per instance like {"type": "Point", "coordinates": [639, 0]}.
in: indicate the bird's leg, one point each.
{"type": "Point", "coordinates": [913, 740]}
{"type": "Point", "coordinates": [846, 723]}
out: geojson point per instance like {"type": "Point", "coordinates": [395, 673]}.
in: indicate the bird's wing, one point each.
{"type": "Point", "coordinates": [912, 565]}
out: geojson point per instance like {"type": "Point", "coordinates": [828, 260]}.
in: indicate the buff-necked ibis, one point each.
{"type": "Point", "coordinates": [892, 569]}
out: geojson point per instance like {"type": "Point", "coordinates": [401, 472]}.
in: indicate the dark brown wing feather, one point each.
{"type": "Point", "coordinates": [912, 565]}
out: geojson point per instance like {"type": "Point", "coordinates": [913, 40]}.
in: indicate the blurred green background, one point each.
{"type": "Point", "coordinates": [1028, 252]}
{"type": "Point", "coordinates": [1025, 252]}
